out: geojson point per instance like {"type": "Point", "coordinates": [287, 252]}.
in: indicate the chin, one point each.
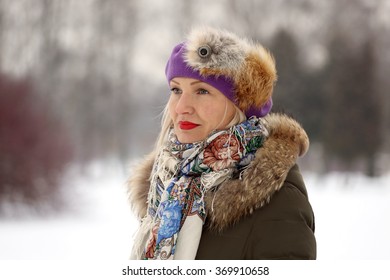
{"type": "Point", "coordinates": [189, 136]}
{"type": "Point", "coordinates": [185, 139]}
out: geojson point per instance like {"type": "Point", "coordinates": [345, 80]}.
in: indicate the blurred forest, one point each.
{"type": "Point", "coordinates": [84, 80]}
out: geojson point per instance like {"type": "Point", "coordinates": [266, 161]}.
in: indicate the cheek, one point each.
{"type": "Point", "coordinates": [208, 112]}
{"type": "Point", "coordinates": [231, 112]}
{"type": "Point", "coordinates": [209, 109]}
{"type": "Point", "coordinates": [171, 108]}
{"type": "Point", "coordinates": [212, 114]}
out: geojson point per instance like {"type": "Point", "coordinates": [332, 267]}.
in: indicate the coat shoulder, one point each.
{"type": "Point", "coordinates": [281, 229]}
{"type": "Point", "coordinates": [290, 202]}
{"type": "Point", "coordinates": [284, 228]}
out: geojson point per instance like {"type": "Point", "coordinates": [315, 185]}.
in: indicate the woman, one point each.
{"type": "Point", "coordinates": [222, 182]}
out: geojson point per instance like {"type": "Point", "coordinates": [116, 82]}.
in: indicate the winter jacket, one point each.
{"type": "Point", "coordinates": [263, 213]}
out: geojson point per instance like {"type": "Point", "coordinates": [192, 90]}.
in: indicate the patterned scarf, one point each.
{"type": "Point", "coordinates": [181, 175]}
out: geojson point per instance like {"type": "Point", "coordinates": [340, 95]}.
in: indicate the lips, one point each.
{"type": "Point", "coordinates": [187, 125]}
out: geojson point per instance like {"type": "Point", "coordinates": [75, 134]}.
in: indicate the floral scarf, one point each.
{"type": "Point", "coordinates": [181, 175]}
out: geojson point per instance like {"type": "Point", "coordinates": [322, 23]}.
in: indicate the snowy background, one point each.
{"type": "Point", "coordinates": [352, 219]}
{"type": "Point", "coordinates": [76, 90]}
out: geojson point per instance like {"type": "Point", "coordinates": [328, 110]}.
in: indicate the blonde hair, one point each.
{"type": "Point", "coordinates": [166, 124]}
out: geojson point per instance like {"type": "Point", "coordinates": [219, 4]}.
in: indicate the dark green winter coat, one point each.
{"type": "Point", "coordinates": [262, 214]}
{"type": "Point", "coordinates": [281, 229]}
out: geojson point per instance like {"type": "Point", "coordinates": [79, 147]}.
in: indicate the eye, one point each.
{"type": "Point", "coordinates": [175, 90]}
{"type": "Point", "coordinates": [203, 91]}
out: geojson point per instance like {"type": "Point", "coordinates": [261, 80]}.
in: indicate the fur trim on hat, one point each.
{"type": "Point", "coordinates": [249, 65]}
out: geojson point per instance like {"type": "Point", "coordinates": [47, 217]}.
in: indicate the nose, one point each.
{"type": "Point", "coordinates": [185, 104]}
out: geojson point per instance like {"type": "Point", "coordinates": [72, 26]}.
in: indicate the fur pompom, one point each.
{"type": "Point", "coordinates": [226, 51]}
{"type": "Point", "coordinates": [249, 65]}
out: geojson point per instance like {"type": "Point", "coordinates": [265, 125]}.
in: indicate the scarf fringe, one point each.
{"type": "Point", "coordinates": [141, 237]}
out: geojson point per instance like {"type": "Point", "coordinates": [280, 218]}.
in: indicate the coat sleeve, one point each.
{"type": "Point", "coordinates": [284, 229]}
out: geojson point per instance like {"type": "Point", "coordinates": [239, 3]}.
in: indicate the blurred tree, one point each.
{"type": "Point", "coordinates": [34, 146]}
{"type": "Point", "coordinates": [82, 58]}
{"type": "Point", "coordinates": [85, 72]}
{"type": "Point", "coordinates": [354, 112]}
{"type": "Point", "coordinates": [297, 92]}
{"type": "Point", "coordinates": [288, 91]}
{"type": "Point", "coordinates": [1, 32]}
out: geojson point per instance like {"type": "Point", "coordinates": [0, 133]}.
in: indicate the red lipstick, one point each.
{"type": "Point", "coordinates": [187, 125]}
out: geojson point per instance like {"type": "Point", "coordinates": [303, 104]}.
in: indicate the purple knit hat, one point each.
{"type": "Point", "coordinates": [177, 67]}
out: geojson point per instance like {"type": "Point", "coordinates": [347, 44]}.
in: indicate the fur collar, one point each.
{"type": "Point", "coordinates": [264, 176]}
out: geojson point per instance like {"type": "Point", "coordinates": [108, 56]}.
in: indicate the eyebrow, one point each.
{"type": "Point", "coordinates": [196, 82]}
{"type": "Point", "coordinates": [173, 81]}
{"type": "Point", "coordinates": [193, 83]}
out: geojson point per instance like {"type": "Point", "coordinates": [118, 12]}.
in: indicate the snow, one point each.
{"type": "Point", "coordinates": [352, 220]}
{"type": "Point", "coordinates": [98, 224]}
{"type": "Point", "coordinates": [352, 216]}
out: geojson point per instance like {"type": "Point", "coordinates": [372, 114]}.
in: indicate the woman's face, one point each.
{"type": "Point", "coordinates": [196, 109]}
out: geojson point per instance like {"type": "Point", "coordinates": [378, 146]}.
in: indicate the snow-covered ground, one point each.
{"type": "Point", "coordinates": [352, 216]}
{"type": "Point", "coordinates": [352, 220]}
